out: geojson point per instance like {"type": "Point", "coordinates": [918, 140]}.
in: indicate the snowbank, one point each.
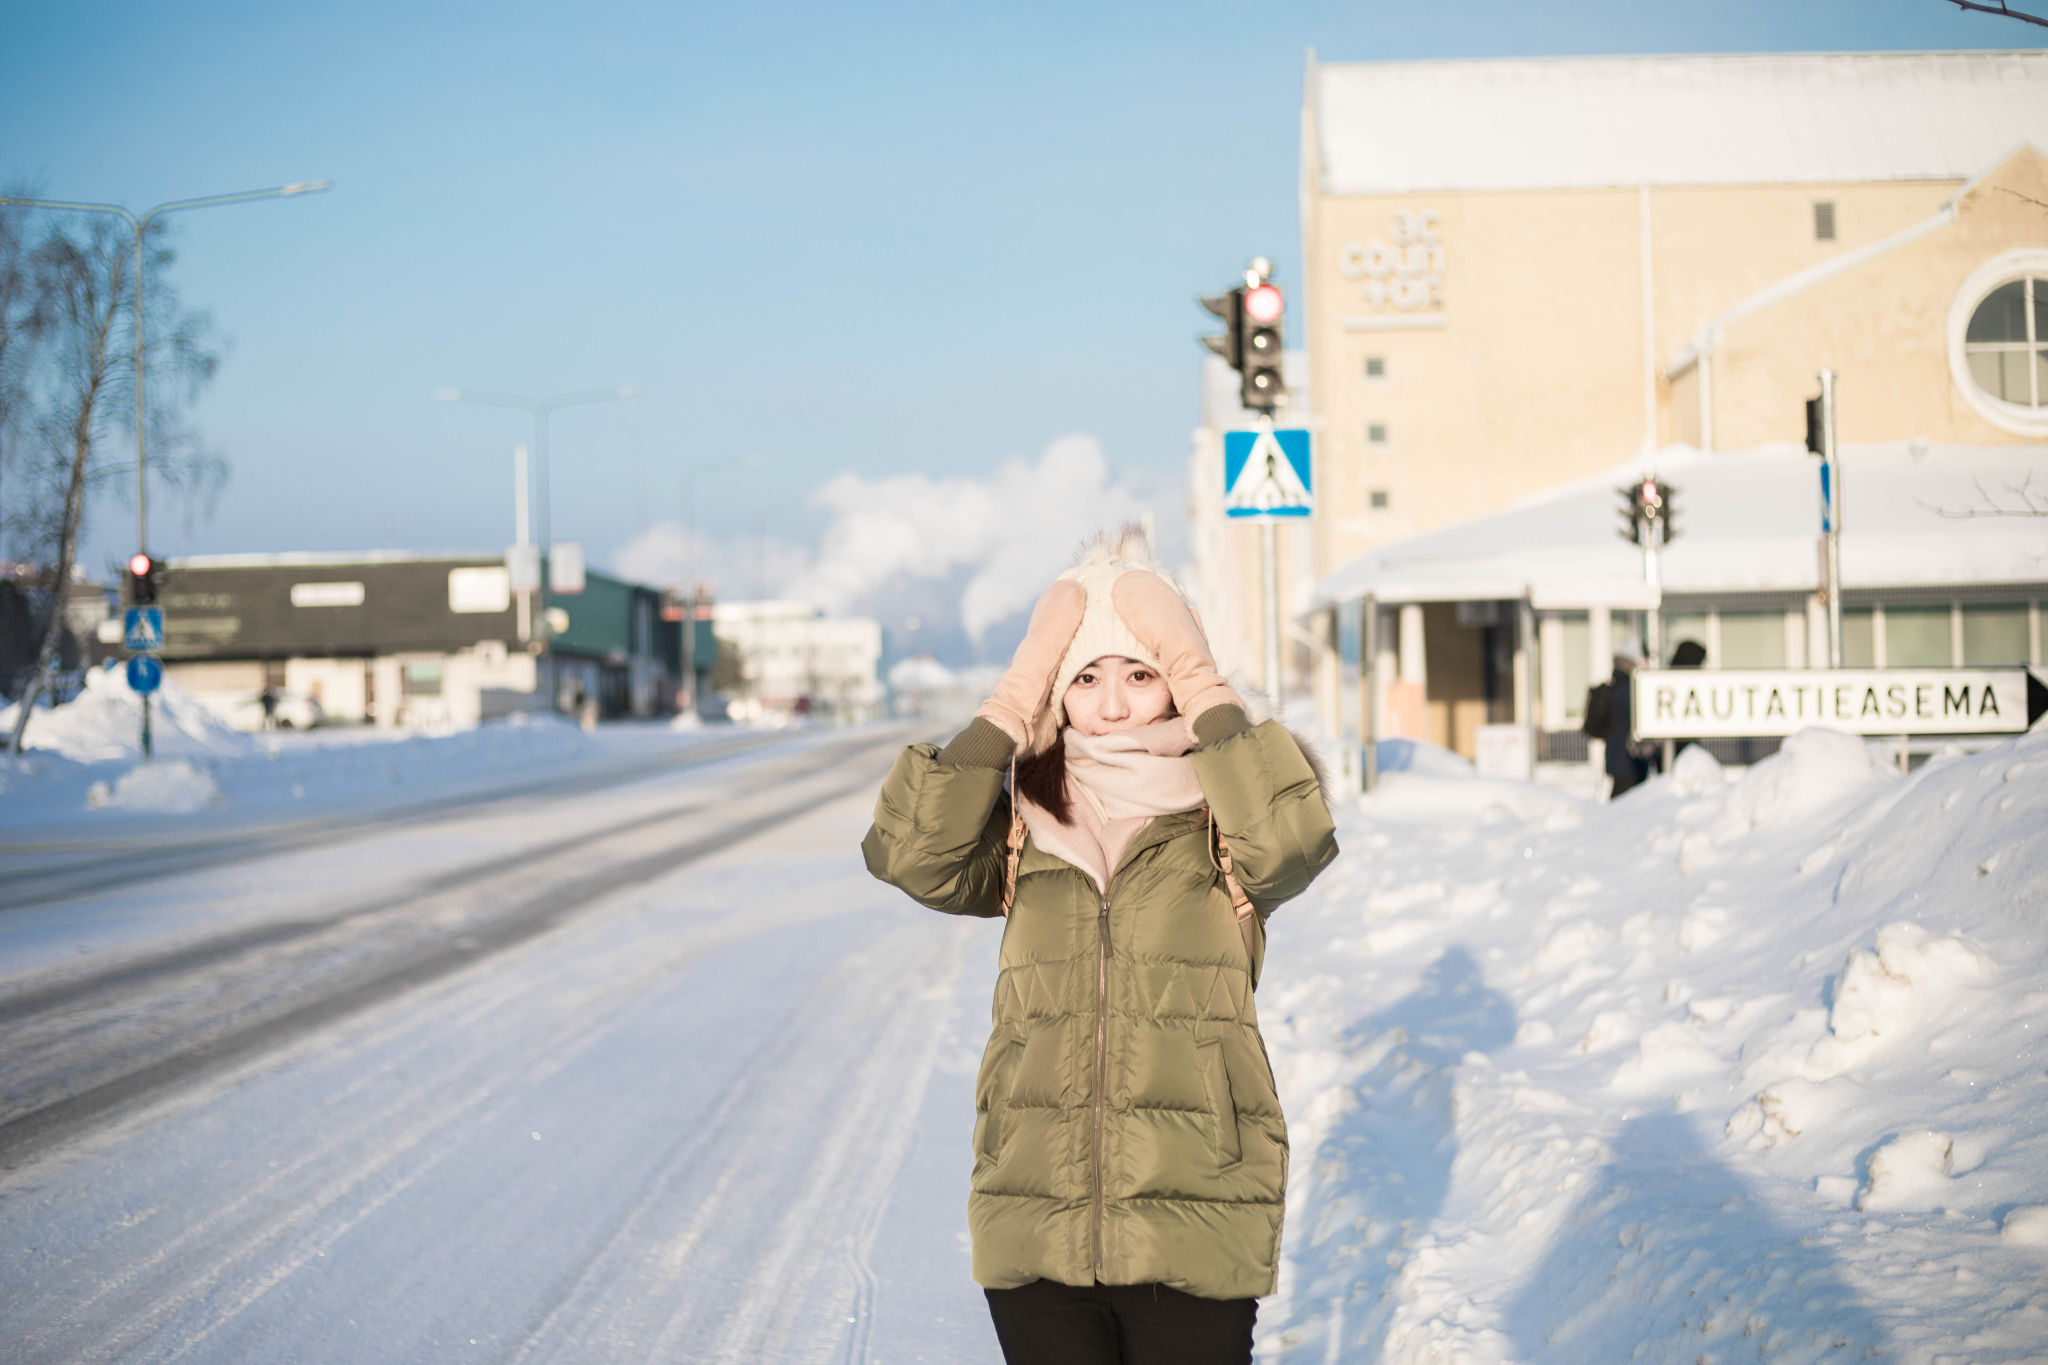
{"type": "Point", "coordinates": [1730, 1068]}
{"type": "Point", "coordinates": [104, 724]}
{"type": "Point", "coordinates": [82, 764]}
{"type": "Point", "coordinates": [169, 788]}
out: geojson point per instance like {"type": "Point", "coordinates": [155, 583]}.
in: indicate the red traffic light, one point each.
{"type": "Point", "coordinates": [1263, 304]}
{"type": "Point", "coordinates": [139, 565]}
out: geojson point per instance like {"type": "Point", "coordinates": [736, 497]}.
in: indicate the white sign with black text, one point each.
{"type": "Point", "coordinates": [1688, 703]}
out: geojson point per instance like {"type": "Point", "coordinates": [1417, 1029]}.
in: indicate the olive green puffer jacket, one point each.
{"type": "Point", "coordinates": [1126, 1125]}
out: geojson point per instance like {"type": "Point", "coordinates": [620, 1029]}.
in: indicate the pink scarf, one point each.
{"type": "Point", "coordinates": [1116, 785]}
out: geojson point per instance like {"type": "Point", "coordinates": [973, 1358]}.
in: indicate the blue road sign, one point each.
{"type": "Point", "coordinates": [142, 632]}
{"type": "Point", "coordinates": [1267, 473]}
{"type": "Point", "coordinates": [145, 673]}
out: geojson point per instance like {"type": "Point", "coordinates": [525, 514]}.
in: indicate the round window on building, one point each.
{"type": "Point", "coordinates": [2002, 345]}
{"type": "Point", "coordinates": [1998, 341]}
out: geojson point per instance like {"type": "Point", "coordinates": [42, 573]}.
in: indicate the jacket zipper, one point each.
{"type": "Point", "coordinates": [1101, 1056]}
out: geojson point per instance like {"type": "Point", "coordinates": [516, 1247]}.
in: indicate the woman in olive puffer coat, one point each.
{"type": "Point", "coordinates": [1130, 1157]}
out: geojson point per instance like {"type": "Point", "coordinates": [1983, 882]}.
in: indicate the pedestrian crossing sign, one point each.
{"type": "Point", "coordinates": [142, 632]}
{"type": "Point", "coordinates": [1266, 473]}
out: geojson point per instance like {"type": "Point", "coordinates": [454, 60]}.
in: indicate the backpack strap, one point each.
{"type": "Point", "coordinates": [1219, 858]}
{"type": "Point", "coordinates": [1016, 843]}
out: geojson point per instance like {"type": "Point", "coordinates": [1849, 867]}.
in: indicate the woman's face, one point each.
{"type": "Point", "coordinates": [1115, 693]}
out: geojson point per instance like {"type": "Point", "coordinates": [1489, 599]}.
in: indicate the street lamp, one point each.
{"type": "Point", "coordinates": [541, 408]}
{"type": "Point", "coordinates": [690, 594]}
{"type": "Point", "coordinates": [140, 226]}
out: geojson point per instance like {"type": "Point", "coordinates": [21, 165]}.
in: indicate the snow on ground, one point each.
{"type": "Point", "coordinates": [82, 770]}
{"type": "Point", "coordinates": [1740, 1066]}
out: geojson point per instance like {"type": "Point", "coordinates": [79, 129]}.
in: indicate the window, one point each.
{"type": "Point", "coordinates": [1917, 637]}
{"type": "Point", "coordinates": [1375, 367]}
{"type": "Point", "coordinates": [1376, 434]}
{"type": "Point", "coordinates": [1994, 635]}
{"type": "Point", "coordinates": [2001, 343]}
{"type": "Point", "coordinates": [1859, 638]}
{"type": "Point", "coordinates": [1998, 341]}
{"type": "Point", "coordinates": [1577, 630]}
{"type": "Point", "coordinates": [1752, 639]}
{"type": "Point", "coordinates": [1824, 220]}
{"type": "Point", "coordinates": [1379, 499]}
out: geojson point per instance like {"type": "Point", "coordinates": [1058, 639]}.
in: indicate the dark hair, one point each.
{"type": "Point", "coordinates": [1042, 779]}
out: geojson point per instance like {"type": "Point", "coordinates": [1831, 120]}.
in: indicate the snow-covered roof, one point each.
{"type": "Point", "coordinates": [1747, 522]}
{"type": "Point", "coordinates": [1587, 122]}
{"type": "Point", "coordinates": [313, 559]}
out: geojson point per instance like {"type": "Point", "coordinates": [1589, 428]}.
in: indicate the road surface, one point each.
{"type": "Point", "coordinates": [644, 1068]}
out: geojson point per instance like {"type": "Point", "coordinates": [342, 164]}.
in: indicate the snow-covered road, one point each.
{"type": "Point", "coordinates": [647, 1071]}
{"type": "Point", "coordinates": [644, 1066]}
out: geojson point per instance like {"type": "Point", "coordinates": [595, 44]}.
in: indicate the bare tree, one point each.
{"type": "Point", "coordinates": [82, 277]}
{"type": "Point", "coordinates": [23, 321]}
{"type": "Point", "coordinates": [2001, 8]}
{"type": "Point", "coordinates": [2020, 499]}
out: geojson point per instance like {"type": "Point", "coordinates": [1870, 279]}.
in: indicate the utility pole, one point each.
{"type": "Point", "coordinates": [1253, 344]}
{"type": "Point", "coordinates": [1820, 439]}
{"type": "Point", "coordinates": [542, 409]}
{"type": "Point", "coordinates": [1649, 515]}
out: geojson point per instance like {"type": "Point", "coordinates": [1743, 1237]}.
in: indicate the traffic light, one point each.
{"type": "Point", "coordinates": [1254, 337]}
{"type": "Point", "coordinates": [1816, 438]}
{"type": "Point", "coordinates": [145, 578]}
{"type": "Point", "coordinates": [1649, 511]}
{"type": "Point", "coordinates": [1229, 307]}
{"type": "Point", "coordinates": [1263, 385]}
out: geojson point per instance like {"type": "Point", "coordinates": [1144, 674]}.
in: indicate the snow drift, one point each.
{"type": "Point", "coordinates": [1736, 1067]}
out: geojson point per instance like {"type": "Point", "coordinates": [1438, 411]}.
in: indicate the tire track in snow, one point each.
{"type": "Point", "coordinates": [814, 1139]}
{"type": "Point", "coordinates": [435, 953]}
{"type": "Point", "coordinates": [87, 867]}
{"type": "Point", "coordinates": [175, 1299]}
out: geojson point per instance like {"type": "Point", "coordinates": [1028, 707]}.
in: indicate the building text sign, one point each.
{"type": "Point", "coordinates": [1404, 274]}
{"type": "Point", "coordinates": [1690, 703]}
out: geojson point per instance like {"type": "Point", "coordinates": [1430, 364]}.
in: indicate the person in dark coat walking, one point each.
{"type": "Point", "coordinates": [1623, 765]}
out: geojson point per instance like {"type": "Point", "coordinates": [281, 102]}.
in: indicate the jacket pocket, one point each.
{"type": "Point", "coordinates": [995, 1113]}
{"type": "Point", "coordinates": [1216, 1081]}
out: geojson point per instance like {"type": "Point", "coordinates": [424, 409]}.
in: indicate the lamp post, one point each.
{"type": "Point", "coordinates": [140, 228]}
{"type": "Point", "coordinates": [690, 595]}
{"type": "Point", "coordinates": [542, 408]}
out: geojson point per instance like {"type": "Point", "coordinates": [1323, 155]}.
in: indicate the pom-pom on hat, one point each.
{"type": "Point", "coordinates": [1102, 631]}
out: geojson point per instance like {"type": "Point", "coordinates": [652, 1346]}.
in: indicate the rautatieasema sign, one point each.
{"type": "Point", "coordinates": [1685, 703]}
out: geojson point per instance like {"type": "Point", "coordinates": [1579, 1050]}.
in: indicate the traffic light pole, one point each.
{"type": "Point", "coordinates": [1831, 515]}
{"type": "Point", "coordinates": [1269, 564]}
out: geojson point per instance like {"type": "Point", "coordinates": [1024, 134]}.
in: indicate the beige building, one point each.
{"type": "Point", "coordinates": [1521, 273]}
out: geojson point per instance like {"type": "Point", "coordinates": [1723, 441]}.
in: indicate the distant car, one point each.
{"type": "Point", "coordinates": [293, 711]}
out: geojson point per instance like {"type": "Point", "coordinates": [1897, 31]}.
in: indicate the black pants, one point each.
{"type": "Point", "coordinates": [1047, 1323]}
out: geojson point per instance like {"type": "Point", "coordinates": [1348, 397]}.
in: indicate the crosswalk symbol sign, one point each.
{"type": "Point", "coordinates": [143, 630]}
{"type": "Point", "coordinates": [1266, 473]}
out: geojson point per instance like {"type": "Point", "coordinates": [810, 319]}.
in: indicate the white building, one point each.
{"type": "Point", "coordinates": [795, 660]}
{"type": "Point", "coordinates": [1942, 566]}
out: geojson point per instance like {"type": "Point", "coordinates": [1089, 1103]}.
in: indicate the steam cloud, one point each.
{"type": "Point", "coordinates": [1016, 531]}
{"type": "Point", "coordinates": [1009, 534]}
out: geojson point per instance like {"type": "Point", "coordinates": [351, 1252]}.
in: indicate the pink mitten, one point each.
{"type": "Point", "coordinates": [1025, 687]}
{"type": "Point", "coordinates": [1163, 624]}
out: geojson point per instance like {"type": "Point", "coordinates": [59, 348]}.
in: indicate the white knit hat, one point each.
{"type": "Point", "coordinates": [1103, 632]}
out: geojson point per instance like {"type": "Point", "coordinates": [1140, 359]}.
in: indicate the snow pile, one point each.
{"type": "Point", "coordinates": [104, 724]}
{"type": "Point", "coordinates": [1735, 1067]}
{"type": "Point", "coordinates": [170, 788]}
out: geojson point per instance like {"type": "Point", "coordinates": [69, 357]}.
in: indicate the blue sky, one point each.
{"type": "Point", "coordinates": [883, 239]}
